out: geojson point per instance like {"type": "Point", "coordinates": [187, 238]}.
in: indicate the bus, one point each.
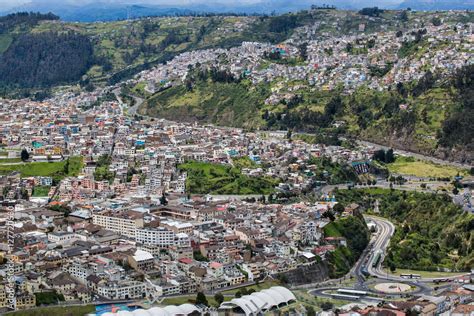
{"type": "Point", "coordinates": [345, 297]}
{"type": "Point", "coordinates": [376, 259]}
{"type": "Point", "coordinates": [352, 292]}
{"type": "Point", "coordinates": [410, 276]}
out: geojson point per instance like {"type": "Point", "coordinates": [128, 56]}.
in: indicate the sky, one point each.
{"type": "Point", "coordinates": [8, 4]}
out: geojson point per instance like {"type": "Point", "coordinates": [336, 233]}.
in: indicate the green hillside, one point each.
{"type": "Point", "coordinates": [435, 119]}
{"type": "Point", "coordinates": [208, 178]}
{"type": "Point", "coordinates": [355, 231]}
{"type": "Point", "coordinates": [431, 232]}
{"type": "Point", "coordinates": [229, 104]}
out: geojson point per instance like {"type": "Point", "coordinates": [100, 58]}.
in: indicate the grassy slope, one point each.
{"type": "Point", "coordinates": [44, 168]}
{"type": "Point", "coordinates": [5, 41]}
{"type": "Point", "coordinates": [230, 104]}
{"type": "Point", "coordinates": [40, 191]}
{"type": "Point", "coordinates": [204, 178]}
{"type": "Point", "coordinates": [421, 168]}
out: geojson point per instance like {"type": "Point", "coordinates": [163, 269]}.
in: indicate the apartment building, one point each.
{"type": "Point", "coordinates": [123, 222]}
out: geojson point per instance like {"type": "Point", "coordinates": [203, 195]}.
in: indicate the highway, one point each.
{"type": "Point", "coordinates": [385, 230]}
{"type": "Point", "coordinates": [378, 243]}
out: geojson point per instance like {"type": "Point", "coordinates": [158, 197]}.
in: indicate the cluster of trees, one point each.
{"type": "Point", "coordinates": [375, 11]}
{"type": "Point", "coordinates": [457, 129]}
{"type": "Point", "coordinates": [304, 119]}
{"type": "Point", "coordinates": [244, 291]}
{"type": "Point", "coordinates": [28, 19]}
{"type": "Point", "coordinates": [102, 169]}
{"type": "Point", "coordinates": [48, 298]}
{"type": "Point", "coordinates": [332, 172]}
{"type": "Point", "coordinates": [215, 74]}
{"type": "Point", "coordinates": [378, 71]}
{"type": "Point", "coordinates": [272, 55]}
{"type": "Point", "coordinates": [408, 47]}
{"type": "Point", "coordinates": [424, 84]}
{"type": "Point", "coordinates": [436, 21]}
{"type": "Point", "coordinates": [276, 29]}
{"type": "Point", "coordinates": [355, 231]}
{"type": "Point", "coordinates": [46, 59]}
{"type": "Point", "coordinates": [384, 156]}
{"type": "Point", "coordinates": [61, 208]}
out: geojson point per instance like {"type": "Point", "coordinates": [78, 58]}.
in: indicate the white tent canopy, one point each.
{"type": "Point", "coordinates": [259, 302]}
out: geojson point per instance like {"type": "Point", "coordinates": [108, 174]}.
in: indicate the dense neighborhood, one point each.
{"type": "Point", "coordinates": [107, 208]}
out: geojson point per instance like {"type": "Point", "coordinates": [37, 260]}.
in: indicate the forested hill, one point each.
{"type": "Point", "coordinates": [46, 59]}
{"type": "Point", "coordinates": [23, 20]}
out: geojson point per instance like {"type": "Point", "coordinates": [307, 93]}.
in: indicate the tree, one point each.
{"type": "Point", "coordinates": [404, 16]}
{"type": "Point", "coordinates": [66, 167]}
{"type": "Point", "coordinates": [329, 215]}
{"type": "Point", "coordinates": [389, 156]}
{"type": "Point", "coordinates": [163, 200]}
{"type": "Point", "coordinates": [338, 208]}
{"type": "Point", "coordinates": [282, 278]}
{"type": "Point", "coordinates": [436, 21]}
{"type": "Point", "coordinates": [24, 194]}
{"type": "Point", "coordinates": [392, 266]}
{"type": "Point", "coordinates": [219, 298]}
{"type": "Point", "coordinates": [310, 311]}
{"type": "Point", "coordinates": [303, 51]}
{"type": "Point", "coordinates": [325, 306]}
{"type": "Point", "coordinates": [25, 155]}
{"type": "Point", "coordinates": [201, 299]}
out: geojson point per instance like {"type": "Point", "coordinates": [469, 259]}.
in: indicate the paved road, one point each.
{"type": "Point", "coordinates": [417, 155]}
{"type": "Point", "coordinates": [385, 232]}
{"type": "Point", "coordinates": [379, 243]}
{"type": "Point", "coordinates": [431, 186]}
{"type": "Point", "coordinates": [133, 109]}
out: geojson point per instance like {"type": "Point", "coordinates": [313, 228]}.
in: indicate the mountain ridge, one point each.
{"type": "Point", "coordinates": [106, 11]}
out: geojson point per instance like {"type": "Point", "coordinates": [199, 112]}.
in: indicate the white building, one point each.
{"type": "Point", "coordinates": [122, 290]}
{"type": "Point", "coordinates": [159, 236]}
{"type": "Point", "coordinates": [123, 222]}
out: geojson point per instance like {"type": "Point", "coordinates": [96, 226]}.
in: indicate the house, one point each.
{"type": "Point", "coordinates": [142, 261]}
{"type": "Point", "coordinates": [63, 282]}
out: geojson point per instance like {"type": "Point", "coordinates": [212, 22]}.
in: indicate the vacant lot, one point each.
{"type": "Point", "coordinates": [419, 168]}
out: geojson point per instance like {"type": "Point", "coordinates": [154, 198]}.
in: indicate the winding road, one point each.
{"type": "Point", "coordinates": [378, 244]}
{"type": "Point", "coordinates": [382, 240]}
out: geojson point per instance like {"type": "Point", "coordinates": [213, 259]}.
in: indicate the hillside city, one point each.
{"type": "Point", "coordinates": [115, 200]}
